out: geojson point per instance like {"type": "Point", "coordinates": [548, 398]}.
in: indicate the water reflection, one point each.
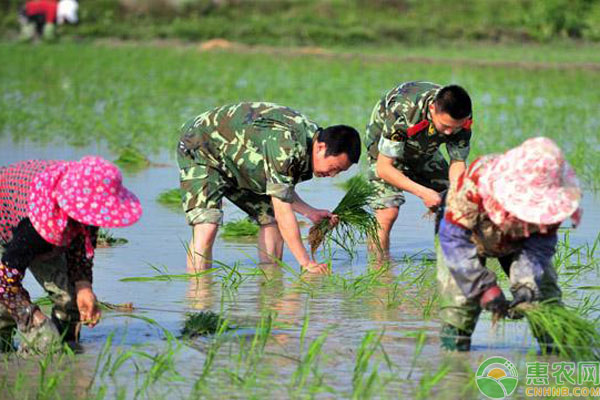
{"type": "Point", "coordinates": [201, 293]}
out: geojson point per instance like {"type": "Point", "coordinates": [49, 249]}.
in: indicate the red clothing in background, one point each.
{"type": "Point", "coordinates": [47, 8]}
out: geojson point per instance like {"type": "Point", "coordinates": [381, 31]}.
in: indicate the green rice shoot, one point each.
{"type": "Point", "coordinates": [356, 222]}
{"type": "Point", "coordinates": [240, 228]}
{"type": "Point", "coordinates": [571, 334]}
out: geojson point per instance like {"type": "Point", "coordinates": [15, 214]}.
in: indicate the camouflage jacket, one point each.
{"type": "Point", "coordinates": [261, 147]}
{"type": "Point", "coordinates": [400, 127]}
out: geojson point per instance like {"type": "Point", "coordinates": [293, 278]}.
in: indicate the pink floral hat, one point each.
{"type": "Point", "coordinates": [89, 191]}
{"type": "Point", "coordinates": [533, 182]}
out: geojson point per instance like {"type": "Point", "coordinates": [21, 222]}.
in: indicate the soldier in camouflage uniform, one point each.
{"type": "Point", "coordinates": [254, 154]}
{"type": "Point", "coordinates": [404, 134]}
{"type": "Point", "coordinates": [509, 207]}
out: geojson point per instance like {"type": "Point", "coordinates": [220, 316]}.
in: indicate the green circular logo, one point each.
{"type": "Point", "coordinates": [497, 378]}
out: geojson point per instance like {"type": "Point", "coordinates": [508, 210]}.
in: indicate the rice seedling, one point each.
{"type": "Point", "coordinates": [231, 277]}
{"type": "Point", "coordinates": [356, 223]}
{"type": "Point", "coordinates": [132, 159]}
{"type": "Point", "coordinates": [240, 228]}
{"type": "Point", "coordinates": [309, 358]}
{"type": "Point", "coordinates": [264, 328]}
{"type": "Point", "coordinates": [308, 363]}
{"type": "Point", "coordinates": [429, 380]}
{"type": "Point", "coordinates": [49, 380]}
{"type": "Point", "coordinates": [420, 337]}
{"type": "Point", "coordinates": [363, 382]}
{"type": "Point", "coordinates": [361, 284]}
{"type": "Point", "coordinates": [211, 353]}
{"type": "Point", "coordinates": [107, 239]}
{"type": "Point", "coordinates": [395, 296]}
{"type": "Point", "coordinates": [168, 277]}
{"type": "Point", "coordinates": [589, 304]}
{"type": "Point", "coordinates": [567, 332]}
{"type": "Point", "coordinates": [201, 324]}
{"type": "Point", "coordinates": [170, 198]}
{"type": "Point", "coordinates": [150, 367]}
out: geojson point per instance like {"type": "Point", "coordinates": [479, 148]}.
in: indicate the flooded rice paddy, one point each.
{"type": "Point", "coordinates": [357, 333]}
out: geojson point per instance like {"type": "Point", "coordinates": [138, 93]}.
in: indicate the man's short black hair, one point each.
{"type": "Point", "coordinates": [454, 101]}
{"type": "Point", "coordinates": [341, 139]}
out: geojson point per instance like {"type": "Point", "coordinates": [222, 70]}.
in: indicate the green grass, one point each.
{"type": "Point", "coordinates": [93, 93]}
{"type": "Point", "coordinates": [329, 22]}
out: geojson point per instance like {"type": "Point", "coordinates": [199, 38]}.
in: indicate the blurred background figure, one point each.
{"type": "Point", "coordinates": [38, 18]}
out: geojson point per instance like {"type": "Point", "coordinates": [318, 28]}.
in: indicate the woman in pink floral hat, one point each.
{"type": "Point", "coordinates": [509, 207]}
{"type": "Point", "coordinates": [50, 212]}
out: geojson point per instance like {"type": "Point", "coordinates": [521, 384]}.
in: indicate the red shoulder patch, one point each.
{"type": "Point", "coordinates": [467, 124]}
{"type": "Point", "coordinates": [416, 128]}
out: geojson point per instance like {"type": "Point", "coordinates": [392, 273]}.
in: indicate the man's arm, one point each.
{"type": "Point", "coordinates": [288, 226]}
{"type": "Point", "coordinates": [393, 176]}
{"type": "Point", "coordinates": [457, 167]}
{"type": "Point", "coordinates": [458, 149]}
{"type": "Point", "coordinates": [79, 269]}
{"type": "Point", "coordinates": [303, 208]}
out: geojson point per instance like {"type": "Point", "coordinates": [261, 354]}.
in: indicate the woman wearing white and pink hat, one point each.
{"type": "Point", "coordinates": [506, 206]}
{"type": "Point", "coordinates": [50, 212]}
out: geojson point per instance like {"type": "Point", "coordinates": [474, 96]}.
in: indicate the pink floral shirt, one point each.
{"type": "Point", "coordinates": [464, 207]}
{"type": "Point", "coordinates": [15, 181]}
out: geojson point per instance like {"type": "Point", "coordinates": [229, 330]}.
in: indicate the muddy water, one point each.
{"type": "Point", "coordinates": [157, 241]}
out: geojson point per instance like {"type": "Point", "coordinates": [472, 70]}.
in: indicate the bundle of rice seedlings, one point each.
{"type": "Point", "coordinates": [566, 330]}
{"type": "Point", "coordinates": [356, 222]}
{"type": "Point", "coordinates": [107, 239]}
{"type": "Point", "coordinates": [346, 185]}
{"type": "Point", "coordinates": [240, 228]}
{"type": "Point", "coordinates": [170, 198]}
{"type": "Point", "coordinates": [201, 323]}
{"type": "Point", "coordinates": [131, 158]}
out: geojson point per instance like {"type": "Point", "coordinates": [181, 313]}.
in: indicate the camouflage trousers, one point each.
{"type": "Point", "coordinates": [203, 188]}
{"type": "Point", "coordinates": [431, 172]}
{"type": "Point", "coordinates": [52, 275]}
{"type": "Point", "coordinates": [463, 313]}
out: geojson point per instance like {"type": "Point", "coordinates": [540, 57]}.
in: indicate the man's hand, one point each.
{"type": "Point", "coordinates": [431, 198]}
{"type": "Point", "coordinates": [317, 216]}
{"type": "Point", "coordinates": [316, 268]}
{"type": "Point", "coordinates": [89, 313]}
